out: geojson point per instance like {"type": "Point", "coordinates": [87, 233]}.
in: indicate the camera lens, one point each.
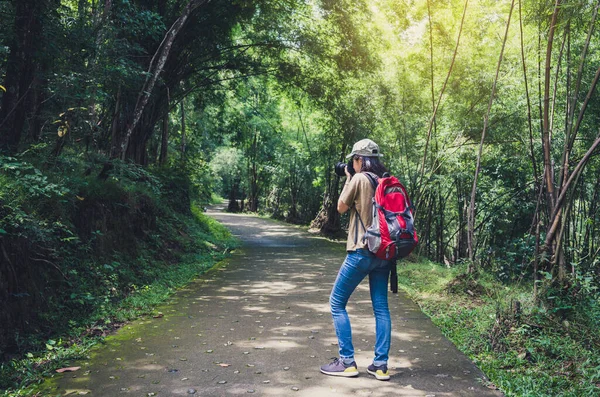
{"type": "Point", "coordinates": [350, 167]}
{"type": "Point", "coordinates": [340, 169]}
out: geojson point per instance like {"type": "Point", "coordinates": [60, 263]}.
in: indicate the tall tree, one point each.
{"type": "Point", "coordinates": [471, 215]}
{"type": "Point", "coordinates": [27, 50]}
{"type": "Point", "coordinates": [157, 64]}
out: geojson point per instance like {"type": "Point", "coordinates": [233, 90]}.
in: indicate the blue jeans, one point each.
{"type": "Point", "coordinates": [356, 267]}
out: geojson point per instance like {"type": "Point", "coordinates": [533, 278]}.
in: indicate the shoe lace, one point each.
{"type": "Point", "coordinates": [338, 360]}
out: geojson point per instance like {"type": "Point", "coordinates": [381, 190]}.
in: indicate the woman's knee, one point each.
{"type": "Point", "coordinates": [380, 307]}
{"type": "Point", "coordinates": [336, 304]}
{"type": "Point", "coordinates": [381, 311]}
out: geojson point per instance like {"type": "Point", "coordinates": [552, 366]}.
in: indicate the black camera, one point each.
{"type": "Point", "coordinates": [340, 168]}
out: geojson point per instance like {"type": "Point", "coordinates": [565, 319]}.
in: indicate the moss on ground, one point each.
{"type": "Point", "coordinates": [113, 249]}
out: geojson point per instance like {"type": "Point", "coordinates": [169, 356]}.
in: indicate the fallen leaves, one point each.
{"type": "Point", "coordinates": [68, 369]}
{"type": "Point", "coordinates": [492, 386]}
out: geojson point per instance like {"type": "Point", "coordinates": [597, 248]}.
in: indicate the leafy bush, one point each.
{"type": "Point", "coordinates": [524, 348]}
{"type": "Point", "coordinates": [87, 244]}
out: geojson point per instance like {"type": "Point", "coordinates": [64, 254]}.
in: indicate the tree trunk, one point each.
{"type": "Point", "coordinates": [565, 40]}
{"type": "Point", "coordinates": [20, 70]}
{"type": "Point", "coordinates": [529, 123]}
{"type": "Point", "coordinates": [570, 132]}
{"type": "Point", "coordinates": [589, 236]}
{"type": "Point", "coordinates": [548, 166]}
{"type": "Point", "coordinates": [471, 216]}
{"type": "Point", "coordinates": [327, 220]}
{"type": "Point", "coordinates": [155, 68]}
{"type": "Point", "coordinates": [437, 105]}
{"type": "Point", "coordinates": [37, 100]}
{"type": "Point", "coordinates": [429, 204]}
{"type": "Point", "coordinates": [98, 20]}
{"type": "Point", "coordinates": [115, 120]}
{"type": "Point", "coordinates": [183, 143]}
{"type": "Point", "coordinates": [233, 205]}
{"type": "Point", "coordinates": [138, 147]}
{"type": "Point", "coordinates": [165, 133]}
{"type": "Point", "coordinates": [555, 219]}
{"type": "Point", "coordinates": [294, 185]}
{"type": "Point", "coordinates": [253, 174]}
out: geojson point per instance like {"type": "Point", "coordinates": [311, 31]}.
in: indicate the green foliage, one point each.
{"type": "Point", "coordinates": [576, 300]}
{"type": "Point", "coordinates": [228, 169]}
{"type": "Point", "coordinates": [525, 351]}
{"type": "Point", "coordinates": [111, 248]}
{"type": "Point", "coordinates": [26, 180]}
{"type": "Point", "coordinates": [271, 95]}
{"type": "Point", "coordinates": [18, 376]}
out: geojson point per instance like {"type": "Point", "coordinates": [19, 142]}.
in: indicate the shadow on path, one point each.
{"type": "Point", "coordinates": [260, 325]}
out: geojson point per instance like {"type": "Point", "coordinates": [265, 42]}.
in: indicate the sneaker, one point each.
{"type": "Point", "coordinates": [338, 368]}
{"type": "Point", "coordinates": [380, 372]}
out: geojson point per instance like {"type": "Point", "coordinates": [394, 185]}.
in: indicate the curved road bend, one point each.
{"type": "Point", "coordinates": [260, 325]}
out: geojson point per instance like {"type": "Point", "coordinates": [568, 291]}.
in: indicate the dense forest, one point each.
{"type": "Point", "coordinates": [118, 114]}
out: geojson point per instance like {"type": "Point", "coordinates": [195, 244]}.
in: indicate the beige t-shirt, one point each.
{"type": "Point", "coordinates": [358, 195]}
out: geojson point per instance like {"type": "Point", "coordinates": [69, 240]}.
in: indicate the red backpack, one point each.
{"type": "Point", "coordinates": [392, 234]}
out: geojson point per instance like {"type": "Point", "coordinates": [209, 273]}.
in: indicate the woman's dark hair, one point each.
{"type": "Point", "coordinates": [372, 164]}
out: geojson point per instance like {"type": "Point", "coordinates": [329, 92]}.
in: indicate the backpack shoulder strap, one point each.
{"type": "Point", "coordinates": [374, 179]}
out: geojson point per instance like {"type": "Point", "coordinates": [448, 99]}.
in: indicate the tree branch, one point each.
{"type": "Point", "coordinates": [160, 58]}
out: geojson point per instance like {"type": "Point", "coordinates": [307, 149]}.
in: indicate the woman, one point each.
{"type": "Point", "coordinates": [357, 196]}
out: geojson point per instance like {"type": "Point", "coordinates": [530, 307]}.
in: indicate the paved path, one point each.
{"type": "Point", "coordinates": [260, 325]}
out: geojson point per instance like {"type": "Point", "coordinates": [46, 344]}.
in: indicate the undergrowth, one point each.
{"type": "Point", "coordinates": [548, 348]}
{"type": "Point", "coordinates": [86, 246]}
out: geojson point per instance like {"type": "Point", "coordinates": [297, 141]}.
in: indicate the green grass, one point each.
{"type": "Point", "coordinates": [200, 243]}
{"type": "Point", "coordinates": [531, 353]}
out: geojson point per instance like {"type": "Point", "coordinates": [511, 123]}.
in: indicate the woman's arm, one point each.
{"type": "Point", "coordinates": [342, 207]}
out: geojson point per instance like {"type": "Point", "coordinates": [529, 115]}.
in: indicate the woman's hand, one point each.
{"type": "Point", "coordinates": [348, 175]}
